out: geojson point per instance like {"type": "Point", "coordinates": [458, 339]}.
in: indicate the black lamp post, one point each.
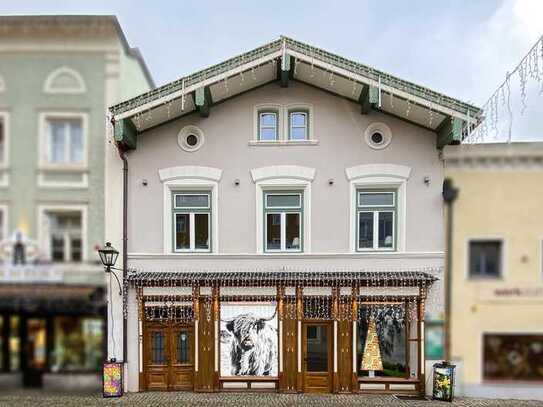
{"type": "Point", "coordinates": [108, 256]}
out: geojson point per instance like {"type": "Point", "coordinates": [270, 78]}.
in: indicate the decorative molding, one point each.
{"type": "Point", "coordinates": [378, 170]}
{"type": "Point", "coordinates": [51, 87]}
{"type": "Point", "coordinates": [187, 131]}
{"type": "Point", "coordinates": [190, 172]}
{"type": "Point", "coordinates": [385, 132]}
{"type": "Point", "coordinates": [283, 171]}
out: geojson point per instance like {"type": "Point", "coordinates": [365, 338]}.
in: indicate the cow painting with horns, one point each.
{"type": "Point", "coordinates": [253, 344]}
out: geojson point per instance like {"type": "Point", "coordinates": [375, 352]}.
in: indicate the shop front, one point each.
{"type": "Point", "coordinates": [281, 330]}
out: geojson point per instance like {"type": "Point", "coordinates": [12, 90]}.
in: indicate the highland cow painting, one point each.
{"type": "Point", "coordinates": [248, 339]}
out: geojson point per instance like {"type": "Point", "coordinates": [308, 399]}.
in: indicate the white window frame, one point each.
{"type": "Point", "coordinates": [379, 176]}
{"type": "Point", "coordinates": [260, 126]}
{"type": "Point", "coordinates": [45, 140]}
{"type": "Point", "coordinates": [4, 209]}
{"type": "Point", "coordinates": [283, 211]}
{"type": "Point", "coordinates": [360, 192]}
{"type": "Point", "coordinates": [4, 165]}
{"type": "Point", "coordinates": [267, 108]}
{"type": "Point", "coordinates": [306, 108]}
{"type": "Point", "coordinates": [376, 231]}
{"type": "Point", "coordinates": [291, 125]}
{"type": "Point", "coordinates": [44, 235]}
{"type": "Point", "coordinates": [186, 210]}
{"type": "Point", "coordinates": [192, 179]}
{"type": "Point", "coordinates": [283, 178]}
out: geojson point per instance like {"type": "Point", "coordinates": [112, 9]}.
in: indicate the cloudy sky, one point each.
{"type": "Point", "coordinates": [460, 47]}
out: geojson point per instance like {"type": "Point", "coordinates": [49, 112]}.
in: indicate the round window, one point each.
{"type": "Point", "coordinates": [190, 138]}
{"type": "Point", "coordinates": [378, 136]}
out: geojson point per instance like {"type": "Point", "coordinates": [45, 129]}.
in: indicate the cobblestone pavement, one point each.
{"type": "Point", "coordinates": [46, 399]}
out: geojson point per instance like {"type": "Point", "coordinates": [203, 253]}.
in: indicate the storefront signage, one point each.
{"type": "Point", "coordinates": [519, 293]}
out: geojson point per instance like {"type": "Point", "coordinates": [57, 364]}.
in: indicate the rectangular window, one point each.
{"type": "Point", "coordinates": [65, 236]}
{"type": "Point", "coordinates": [376, 220]}
{"type": "Point", "coordinates": [298, 125]}
{"type": "Point", "coordinates": [66, 143]}
{"type": "Point", "coordinates": [514, 357]}
{"type": "Point", "coordinates": [283, 221]}
{"type": "Point", "coordinates": [2, 142]}
{"type": "Point", "coordinates": [485, 259]}
{"type": "Point", "coordinates": [267, 126]}
{"type": "Point", "coordinates": [192, 221]}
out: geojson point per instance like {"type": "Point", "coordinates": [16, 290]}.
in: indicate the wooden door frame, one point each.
{"type": "Point", "coordinates": [168, 327]}
{"type": "Point", "coordinates": [330, 325]}
{"type": "Point", "coordinates": [183, 326]}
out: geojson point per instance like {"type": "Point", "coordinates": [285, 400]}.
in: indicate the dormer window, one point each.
{"type": "Point", "coordinates": [298, 125]}
{"type": "Point", "coordinates": [268, 126]}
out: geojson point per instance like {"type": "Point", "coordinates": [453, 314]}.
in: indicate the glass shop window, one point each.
{"type": "Point", "coordinates": [192, 221]}
{"type": "Point", "coordinates": [283, 221]}
{"type": "Point", "coordinates": [376, 220]}
{"type": "Point", "coordinates": [382, 345]}
{"type": "Point", "coordinates": [513, 357]}
{"type": "Point", "coordinates": [78, 344]}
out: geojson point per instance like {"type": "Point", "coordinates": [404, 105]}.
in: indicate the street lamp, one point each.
{"type": "Point", "coordinates": [108, 256]}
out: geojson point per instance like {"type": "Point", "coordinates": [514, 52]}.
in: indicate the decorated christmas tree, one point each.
{"type": "Point", "coordinates": [372, 354]}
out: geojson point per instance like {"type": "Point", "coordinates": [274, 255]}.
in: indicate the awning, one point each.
{"type": "Point", "coordinates": [51, 299]}
{"type": "Point", "coordinates": [283, 277]}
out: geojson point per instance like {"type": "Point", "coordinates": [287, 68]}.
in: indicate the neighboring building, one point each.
{"type": "Point", "coordinates": [497, 263]}
{"type": "Point", "coordinates": [284, 215]}
{"type": "Point", "coordinates": [57, 76]}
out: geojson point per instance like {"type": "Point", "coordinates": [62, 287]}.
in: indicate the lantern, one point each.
{"type": "Point", "coordinates": [443, 381]}
{"type": "Point", "coordinates": [108, 255]}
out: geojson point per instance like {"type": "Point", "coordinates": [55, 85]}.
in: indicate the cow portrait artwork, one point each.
{"type": "Point", "coordinates": [249, 339]}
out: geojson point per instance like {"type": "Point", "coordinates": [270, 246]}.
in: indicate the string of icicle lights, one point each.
{"type": "Point", "coordinates": [498, 111]}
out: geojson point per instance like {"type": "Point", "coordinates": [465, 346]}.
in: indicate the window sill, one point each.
{"type": "Point", "coordinates": [278, 143]}
{"type": "Point", "coordinates": [63, 168]}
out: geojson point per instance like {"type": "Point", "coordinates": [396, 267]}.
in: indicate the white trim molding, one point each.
{"type": "Point", "coordinates": [190, 172]}
{"type": "Point", "coordinates": [4, 162]}
{"type": "Point", "coordinates": [50, 87]}
{"type": "Point", "coordinates": [378, 170]}
{"type": "Point", "coordinates": [378, 176]}
{"type": "Point", "coordinates": [188, 131]}
{"type": "Point", "coordinates": [193, 178]}
{"type": "Point", "coordinates": [43, 227]}
{"type": "Point", "coordinates": [381, 128]}
{"type": "Point", "coordinates": [293, 172]}
{"type": "Point", "coordinates": [283, 184]}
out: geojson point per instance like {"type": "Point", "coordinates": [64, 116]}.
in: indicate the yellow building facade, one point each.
{"type": "Point", "coordinates": [497, 269]}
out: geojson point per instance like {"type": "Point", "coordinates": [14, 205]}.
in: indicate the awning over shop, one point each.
{"type": "Point", "coordinates": [283, 277]}
{"type": "Point", "coordinates": [51, 299]}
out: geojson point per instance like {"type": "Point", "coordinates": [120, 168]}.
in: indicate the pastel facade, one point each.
{"type": "Point", "coordinates": [58, 75]}
{"type": "Point", "coordinates": [497, 290]}
{"type": "Point", "coordinates": [285, 179]}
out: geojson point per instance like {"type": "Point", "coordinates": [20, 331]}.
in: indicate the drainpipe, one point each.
{"type": "Point", "coordinates": [122, 154]}
{"type": "Point", "coordinates": [450, 193]}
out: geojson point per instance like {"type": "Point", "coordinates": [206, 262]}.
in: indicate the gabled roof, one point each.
{"type": "Point", "coordinates": [286, 59]}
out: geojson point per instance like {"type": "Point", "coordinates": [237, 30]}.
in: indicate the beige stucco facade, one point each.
{"type": "Point", "coordinates": [500, 198]}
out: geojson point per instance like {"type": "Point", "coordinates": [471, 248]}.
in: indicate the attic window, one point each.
{"type": "Point", "coordinates": [190, 138]}
{"type": "Point", "coordinates": [378, 136]}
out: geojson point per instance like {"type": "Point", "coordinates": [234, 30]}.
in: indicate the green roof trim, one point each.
{"type": "Point", "coordinates": [309, 51]}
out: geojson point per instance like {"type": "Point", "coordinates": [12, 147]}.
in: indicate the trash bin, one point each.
{"type": "Point", "coordinates": [443, 382]}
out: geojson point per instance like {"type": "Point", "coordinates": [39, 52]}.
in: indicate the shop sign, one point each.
{"type": "Point", "coordinates": [512, 293]}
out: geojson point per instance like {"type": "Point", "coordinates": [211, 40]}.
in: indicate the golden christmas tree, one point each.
{"type": "Point", "coordinates": [372, 354]}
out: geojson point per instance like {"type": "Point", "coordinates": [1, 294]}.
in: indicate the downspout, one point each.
{"type": "Point", "coordinates": [122, 154]}
{"type": "Point", "coordinates": [450, 193]}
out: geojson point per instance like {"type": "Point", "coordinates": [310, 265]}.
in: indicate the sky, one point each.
{"type": "Point", "coordinates": [462, 48]}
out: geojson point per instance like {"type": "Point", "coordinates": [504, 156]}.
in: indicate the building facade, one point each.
{"type": "Point", "coordinates": [57, 76]}
{"type": "Point", "coordinates": [497, 264]}
{"type": "Point", "coordinates": [283, 223]}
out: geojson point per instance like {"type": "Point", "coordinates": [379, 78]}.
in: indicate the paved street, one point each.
{"type": "Point", "coordinates": [43, 399]}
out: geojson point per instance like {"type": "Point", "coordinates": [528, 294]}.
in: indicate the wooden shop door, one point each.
{"type": "Point", "coordinates": [169, 356]}
{"type": "Point", "coordinates": [317, 357]}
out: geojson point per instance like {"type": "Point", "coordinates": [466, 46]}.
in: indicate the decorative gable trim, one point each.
{"type": "Point", "coordinates": [190, 172]}
{"type": "Point", "coordinates": [52, 83]}
{"type": "Point", "coordinates": [283, 171]}
{"type": "Point", "coordinates": [378, 170]}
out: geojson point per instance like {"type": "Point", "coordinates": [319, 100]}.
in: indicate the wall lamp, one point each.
{"type": "Point", "coordinates": [108, 256]}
